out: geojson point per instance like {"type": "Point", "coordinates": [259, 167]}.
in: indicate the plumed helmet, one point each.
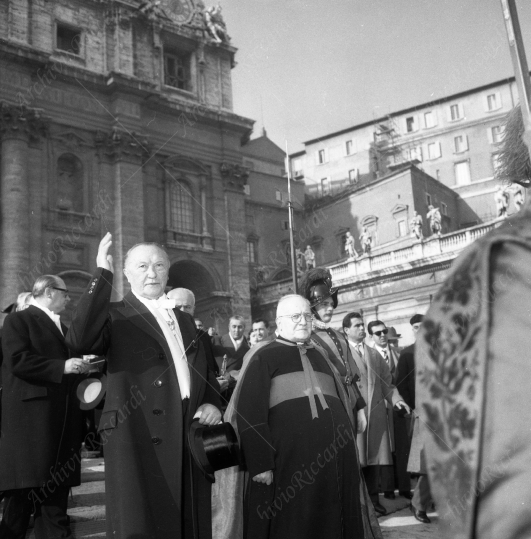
{"type": "Point", "coordinates": [316, 286]}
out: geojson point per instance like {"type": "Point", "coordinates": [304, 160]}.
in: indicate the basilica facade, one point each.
{"type": "Point", "coordinates": [118, 116]}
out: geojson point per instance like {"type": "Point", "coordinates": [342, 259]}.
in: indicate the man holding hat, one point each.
{"type": "Point", "coordinates": [41, 419]}
{"type": "Point", "coordinates": [316, 287]}
{"type": "Point", "coordinates": [158, 381]}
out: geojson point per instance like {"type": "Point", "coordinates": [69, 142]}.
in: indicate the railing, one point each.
{"type": "Point", "coordinates": [449, 244]}
{"type": "Point", "coordinates": [433, 246]}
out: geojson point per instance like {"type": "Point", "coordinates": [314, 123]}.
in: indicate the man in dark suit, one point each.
{"type": "Point", "coordinates": [158, 382]}
{"type": "Point", "coordinates": [233, 344]}
{"type": "Point", "coordinates": [41, 419]}
{"type": "Point", "coordinates": [406, 379]}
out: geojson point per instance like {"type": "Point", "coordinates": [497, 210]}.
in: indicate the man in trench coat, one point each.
{"type": "Point", "coordinates": [158, 380]}
{"type": "Point", "coordinates": [376, 443]}
{"type": "Point", "coordinates": [41, 434]}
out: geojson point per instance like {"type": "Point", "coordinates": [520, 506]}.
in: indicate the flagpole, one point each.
{"type": "Point", "coordinates": [521, 69]}
{"type": "Point", "coordinates": [290, 213]}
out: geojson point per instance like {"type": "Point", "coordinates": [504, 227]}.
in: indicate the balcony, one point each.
{"type": "Point", "coordinates": [416, 254]}
{"type": "Point", "coordinates": [432, 249]}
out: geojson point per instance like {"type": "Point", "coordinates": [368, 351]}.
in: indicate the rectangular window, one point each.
{"type": "Point", "coordinates": [349, 147]}
{"type": "Point", "coordinates": [428, 199]}
{"type": "Point", "coordinates": [247, 189]}
{"type": "Point", "coordinates": [285, 225]}
{"type": "Point", "coordinates": [462, 173]}
{"type": "Point", "coordinates": [455, 113]}
{"type": "Point", "coordinates": [68, 39]}
{"type": "Point", "coordinates": [444, 208]}
{"type": "Point", "coordinates": [460, 143]}
{"type": "Point", "coordinates": [251, 252]}
{"type": "Point", "coordinates": [411, 124]}
{"type": "Point", "coordinates": [495, 162]}
{"type": "Point", "coordinates": [402, 228]}
{"type": "Point", "coordinates": [321, 157]}
{"type": "Point", "coordinates": [434, 150]}
{"type": "Point", "coordinates": [497, 134]}
{"type": "Point", "coordinates": [177, 70]}
{"type": "Point", "coordinates": [325, 186]}
{"type": "Point", "coordinates": [493, 101]}
{"type": "Point", "coordinates": [278, 195]}
{"type": "Point", "coordinates": [430, 119]}
{"type": "Point", "coordinates": [353, 175]}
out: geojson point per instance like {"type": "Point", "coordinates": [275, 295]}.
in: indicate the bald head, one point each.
{"type": "Point", "coordinates": [294, 318]}
{"type": "Point", "coordinates": [184, 299]}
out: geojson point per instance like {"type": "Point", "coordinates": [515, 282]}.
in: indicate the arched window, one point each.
{"type": "Point", "coordinates": [181, 207]}
{"type": "Point", "coordinates": [69, 192]}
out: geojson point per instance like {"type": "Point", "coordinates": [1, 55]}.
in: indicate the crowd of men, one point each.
{"type": "Point", "coordinates": [164, 370]}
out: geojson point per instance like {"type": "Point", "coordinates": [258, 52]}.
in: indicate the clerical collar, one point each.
{"type": "Point", "coordinates": [283, 340]}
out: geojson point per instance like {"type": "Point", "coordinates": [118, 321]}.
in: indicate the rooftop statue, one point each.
{"type": "Point", "coordinates": [215, 24]}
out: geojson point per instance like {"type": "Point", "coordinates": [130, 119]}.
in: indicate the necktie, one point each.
{"type": "Point", "coordinates": [385, 356]}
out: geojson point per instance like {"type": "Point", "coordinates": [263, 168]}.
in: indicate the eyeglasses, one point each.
{"type": "Point", "coordinates": [379, 333]}
{"type": "Point", "coordinates": [297, 317]}
{"type": "Point", "coordinates": [65, 290]}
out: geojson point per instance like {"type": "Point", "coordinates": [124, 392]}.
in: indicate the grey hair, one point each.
{"type": "Point", "coordinates": [289, 297]}
{"type": "Point", "coordinates": [176, 290]}
{"type": "Point", "coordinates": [22, 301]}
{"type": "Point", "coordinates": [239, 318]}
{"type": "Point", "coordinates": [146, 243]}
{"type": "Point", "coordinates": [42, 283]}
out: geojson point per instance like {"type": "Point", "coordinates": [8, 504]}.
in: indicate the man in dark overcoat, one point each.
{"type": "Point", "coordinates": [41, 420]}
{"type": "Point", "coordinates": [158, 380]}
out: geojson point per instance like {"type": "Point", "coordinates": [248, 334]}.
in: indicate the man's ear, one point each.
{"type": "Point", "coordinates": [126, 274]}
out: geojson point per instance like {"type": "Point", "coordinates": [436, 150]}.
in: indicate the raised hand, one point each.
{"type": "Point", "coordinates": [104, 259]}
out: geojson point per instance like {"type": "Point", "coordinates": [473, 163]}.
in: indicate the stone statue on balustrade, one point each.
{"type": "Point", "coordinates": [366, 241]}
{"type": "Point", "coordinates": [416, 226]}
{"type": "Point", "coordinates": [299, 257]}
{"type": "Point", "coordinates": [434, 217]}
{"type": "Point", "coordinates": [501, 197]}
{"type": "Point", "coordinates": [309, 256]}
{"type": "Point", "coordinates": [518, 198]}
{"type": "Point", "coordinates": [215, 24]}
{"type": "Point", "coordinates": [349, 246]}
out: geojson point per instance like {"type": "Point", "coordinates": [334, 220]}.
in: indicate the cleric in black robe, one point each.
{"type": "Point", "coordinates": [297, 438]}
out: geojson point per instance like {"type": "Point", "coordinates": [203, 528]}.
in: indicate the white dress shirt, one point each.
{"type": "Point", "coordinates": [56, 319]}
{"type": "Point", "coordinates": [170, 328]}
{"type": "Point", "coordinates": [236, 344]}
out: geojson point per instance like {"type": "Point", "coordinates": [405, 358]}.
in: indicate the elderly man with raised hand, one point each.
{"type": "Point", "coordinates": [158, 381]}
{"type": "Point", "coordinates": [297, 436]}
{"type": "Point", "coordinates": [41, 419]}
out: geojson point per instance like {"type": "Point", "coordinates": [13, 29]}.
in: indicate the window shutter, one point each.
{"type": "Point", "coordinates": [465, 142]}
{"type": "Point", "coordinates": [438, 149]}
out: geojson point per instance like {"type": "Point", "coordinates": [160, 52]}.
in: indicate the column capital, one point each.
{"type": "Point", "coordinates": [120, 145]}
{"type": "Point", "coordinates": [234, 176]}
{"type": "Point", "coordinates": [18, 121]}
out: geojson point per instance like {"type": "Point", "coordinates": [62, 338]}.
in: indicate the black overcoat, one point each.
{"type": "Point", "coordinates": [41, 419]}
{"type": "Point", "coordinates": [142, 426]}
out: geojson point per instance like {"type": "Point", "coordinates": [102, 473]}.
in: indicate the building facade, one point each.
{"type": "Point", "coordinates": [453, 139]}
{"type": "Point", "coordinates": [118, 116]}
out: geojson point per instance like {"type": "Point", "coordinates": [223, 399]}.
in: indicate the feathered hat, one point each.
{"type": "Point", "coordinates": [316, 286]}
{"type": "Point", "coordinates": [513, 157]}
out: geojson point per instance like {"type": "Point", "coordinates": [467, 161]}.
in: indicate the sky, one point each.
{"type": "Point", "coordinates": [313, 67]}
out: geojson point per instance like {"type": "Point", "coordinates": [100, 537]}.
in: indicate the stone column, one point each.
{"type": "Point", "coordinates": [127, 152]}
{"type": "Point", "coordinates": [17, 125]}
{"type": "Point", "coordinates": [234, 179]}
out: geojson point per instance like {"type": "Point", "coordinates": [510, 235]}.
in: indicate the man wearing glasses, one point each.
{"type": "Point", "coordinates": [297, 436]}
{"type": "Point", "coordinates": [376, 386]}
{"type": "Point", "coordinates": [41, 419]}
{"type": "Point", "coordinates": [398, 424]}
